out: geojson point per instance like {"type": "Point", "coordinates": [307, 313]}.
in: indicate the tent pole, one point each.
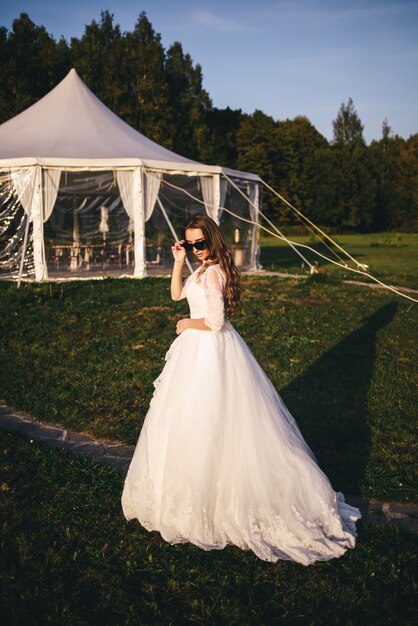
{"type": "Point", "coordinates": [255, 230]}
{"type": "Point", "coordinates": [41, 272]}
{"type": "Point", "coordinates": [217, 195]}
{"type": "Point", "coordinates": [139, 223]}
{"type": "Point", "coordinates": [173, 231]}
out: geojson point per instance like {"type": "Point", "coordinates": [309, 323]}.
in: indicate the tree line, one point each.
{"type": "Point", "coordinates": [343, 184]}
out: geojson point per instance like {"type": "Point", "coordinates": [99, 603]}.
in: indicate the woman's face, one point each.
{"type": "Point", "coordinates": [193, 235]}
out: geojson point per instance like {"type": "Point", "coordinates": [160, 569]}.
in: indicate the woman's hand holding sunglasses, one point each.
{"type": "Point", "coordinates": [179, 252]}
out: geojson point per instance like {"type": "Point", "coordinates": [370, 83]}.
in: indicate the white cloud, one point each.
{"type": "Point", "coordinates": [204, 18]}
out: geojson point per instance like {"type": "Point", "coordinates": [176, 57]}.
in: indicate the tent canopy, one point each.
{"type": "Point", "coordinates": [71, 127]}
{"type": "Point", "coordinates": [70, 130]}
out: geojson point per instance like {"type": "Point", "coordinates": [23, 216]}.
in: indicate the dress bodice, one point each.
{"type": "Point", "coordinates": [205, 296]}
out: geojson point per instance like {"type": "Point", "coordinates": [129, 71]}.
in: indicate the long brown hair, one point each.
{"type": "Point", "coordinates": [219, 253]}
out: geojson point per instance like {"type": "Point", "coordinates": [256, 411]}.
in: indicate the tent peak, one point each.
{"type": "Point", "coordinates": [71, 127]}
{"type": "Point", "coordinates": [71, 122]}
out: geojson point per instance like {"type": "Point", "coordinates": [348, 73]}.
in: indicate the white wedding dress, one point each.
{"type": "Point", "coordinates": [220, 460]}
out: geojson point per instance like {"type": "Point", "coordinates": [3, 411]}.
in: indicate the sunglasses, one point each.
{"type": "Point", "coordinates": [199, 245]}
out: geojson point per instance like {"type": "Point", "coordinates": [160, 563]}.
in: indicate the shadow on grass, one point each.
{"type": "Point", "coordinates": [330, 403]}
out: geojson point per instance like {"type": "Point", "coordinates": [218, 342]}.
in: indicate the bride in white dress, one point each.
{"type": "Point", "coordinates": [220, 460]}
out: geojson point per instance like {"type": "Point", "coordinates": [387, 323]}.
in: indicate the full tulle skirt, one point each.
{"type": "Point", "coordinates": [220, 460]}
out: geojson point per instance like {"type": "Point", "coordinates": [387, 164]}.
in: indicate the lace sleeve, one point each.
{"type": "Point", "coordinates": [214, 292]}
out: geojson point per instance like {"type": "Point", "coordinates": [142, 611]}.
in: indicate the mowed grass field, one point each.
{"type": "Point", "coordinates": [85, 354]}
{"type": "Point", "coordinates": [391, 257]}
{"type": "Point", "coordinates": [69, 557]}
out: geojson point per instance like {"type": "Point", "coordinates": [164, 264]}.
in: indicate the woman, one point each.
{"type": "Point", "coordinates": [220, 459]}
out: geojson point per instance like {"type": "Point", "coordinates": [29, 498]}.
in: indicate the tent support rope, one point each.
{"type": "Point", "coordinates": [313, 269]}
{"type": "Point", "coordinates": [287, 203]}
{"type": "Point", "coordinates": [301, 245]}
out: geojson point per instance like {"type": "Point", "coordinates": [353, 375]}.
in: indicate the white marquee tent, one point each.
{"type": "Point", "coordinates": [70, 131]}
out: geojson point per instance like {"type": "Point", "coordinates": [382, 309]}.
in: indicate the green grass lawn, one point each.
{"type": "Point", "coordinates": [392, 257]}
{"type": "Point", "coordinates": [85, 355]}
{"type": "Point", "coordinates": [69, 557]}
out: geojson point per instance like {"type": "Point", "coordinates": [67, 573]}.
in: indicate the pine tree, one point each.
{"type": "Point", "coordinates": [97, 58]}
{"type": "Point", "coordinates": [259, 150]}
{"type": "Point", "coordinates": [405, 206]}
{"type": "Point", "coordinates": [257, 145]}
{"type": "Point", "coordinates": [220, 145]}
{"type": "Point", "coordinates": [188, 101]}
{"type": "Point", "coordinates": [145, 82]}
{"type": "Point", "coordinates": [300, 142]}
{"type": "Point", "coordinates": [31, 64]}
{"type": "Point", "coordinates": [383, 156]}
{"type": "Point", "coordinates": [348, 129]}
{"type": "Point", "coordinates": [355, 199]}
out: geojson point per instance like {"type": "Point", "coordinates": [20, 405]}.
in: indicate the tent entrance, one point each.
{"type": "Point", "coordinates": [88, 231]}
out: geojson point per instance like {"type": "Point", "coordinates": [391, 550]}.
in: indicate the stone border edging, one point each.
{"type": "Point", "coordinates": [118, 456]}
{"type": "Point", "coordinates": [115, 455]}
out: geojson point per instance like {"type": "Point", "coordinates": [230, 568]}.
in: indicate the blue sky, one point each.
{"type": "Point", "coordinates": [287, 58]}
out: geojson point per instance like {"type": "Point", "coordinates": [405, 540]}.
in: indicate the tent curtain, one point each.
{"type": "Point", "coordinates": [125, 184]}
{"type": "Point", "coordinates": [223, 188]}
{"type": "Point", "coordinates": [24, 185]}
{"type": "Point", "coordinates": [207, 184]}
{"type": "Point", "coordinates": [214, 193]}
{"type": "Point", "coordinates": [152, 187]}
{"type": "Point", "coordinates": [253, 193]}
{"type": "Point", "coordinates": [152, 184]}
{"type": "Point", "coordinates": [131, 192]}
{"type": "Point", "coordinates": [252, 190]}
{"type": "Point", "coordinates": [50, 186]}
{"type": "Point", "coordinates": [28, 187]}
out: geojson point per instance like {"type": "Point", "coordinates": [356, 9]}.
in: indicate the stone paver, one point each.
{"type": "Point", "coordinates": [119, 456]}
